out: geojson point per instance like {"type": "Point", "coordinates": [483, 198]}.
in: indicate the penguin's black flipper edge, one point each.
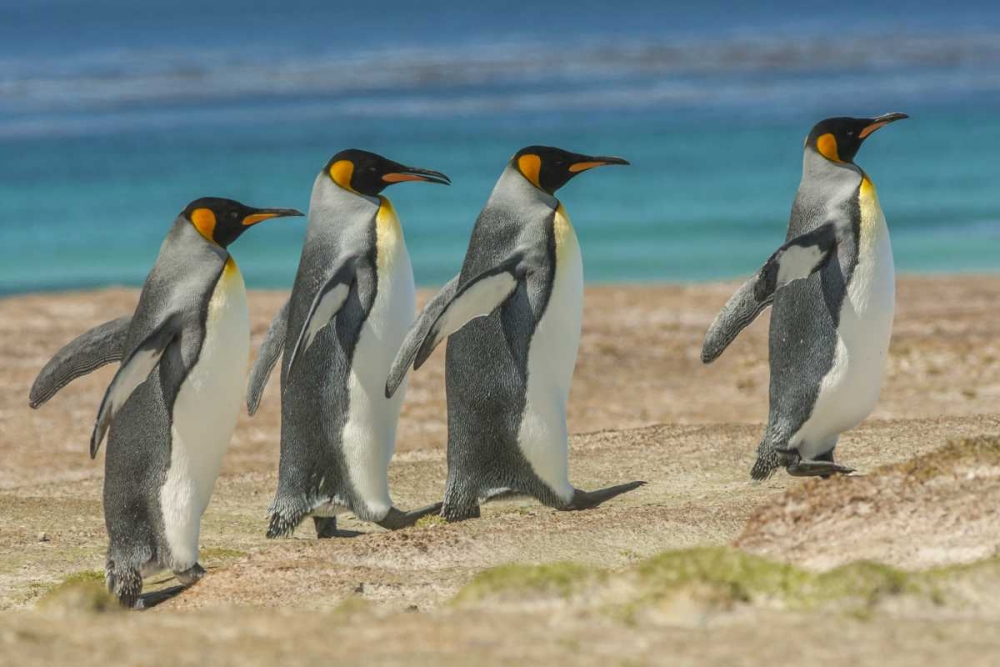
{"type": "Point", "coordinates": [86, 353]}
{"type": "Point", "coordinates": [415, 337]}
{"type": "Point", "coordinates": [795, 260]}
{"type": "Point", "coordinates": [267, 356]}
{"type": "Point", "coordinates": [325, 305]}
{"type": "Point", "coordinates": [453, 308]}
{"type": "Point", "coordinates": [132, 373]}
{"type": "Point", "coordinates": [478, 297]}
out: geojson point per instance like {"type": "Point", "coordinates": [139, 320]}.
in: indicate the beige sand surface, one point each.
{"type": "Point", "coordinates": [643, 407]}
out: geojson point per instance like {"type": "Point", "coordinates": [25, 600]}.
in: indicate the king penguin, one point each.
{"type": "Point", "coordinates": [172, 406]}
{"type": "Point", "coordinates": [351, 305]}
{"type": "Point", "coordinates": [514, 316]}
{"type": "Point", "coordinates": [832, 291]}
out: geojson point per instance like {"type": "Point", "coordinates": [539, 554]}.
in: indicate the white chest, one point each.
{"type": "Point", "coordinates": [851, 388]}
{"type": "Point", "coordinates": [543, 437]}
{"type": "Point", "coordinates": [369, 436]}
{"type": "Point", "coordinates": [204, 416]}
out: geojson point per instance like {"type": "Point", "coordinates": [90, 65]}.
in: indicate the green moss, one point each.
{"type": "Point", "coordinates": [517, 579]}
{"type": "Point", "coordinates": [80, 592]}
{"type": "Point", "coordinates": [719, 576]}
{"type": "Point", "coordinates": [430, 520]}
{"type": "Point", "coordinates": [83, 577]}
{"type": "Point", "coordinates": [741, 576]}
{"type": "Point", "coordinates": [220, 553]}
{"type": "Point", "coordinates": [864, 581]}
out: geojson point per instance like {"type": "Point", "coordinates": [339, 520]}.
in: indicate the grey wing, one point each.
{"type": "Point", "coordinates": [327, 302]}
{"type": "Point", "coordinates": [267, 356]}
{"type": "Point", "coordinates": [98, 347]}
{"type": "Point", "coordinates": [795, 260]}
{"type": "Point", "coordinates": [415, 338]}
{"type": "Point", "coordinates": [477, 297]}
{"type": "Point", "coordinates": [132, 373]}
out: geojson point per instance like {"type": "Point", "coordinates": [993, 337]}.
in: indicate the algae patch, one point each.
{"type": "Point", "coordinates": [520, 580]}
{"type": "Point", "coordinates": [716, 577]}
{"type": "Point", "coordinates": [83, 591]}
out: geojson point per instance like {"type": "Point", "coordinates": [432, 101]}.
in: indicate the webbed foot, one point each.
{"type": "Point", "coordinates": [585, 500]}
{"type": "Point", "coordinates": [190, 576]}
{"type": "Point", "coordinates": [397, 519]}
{"type": "Point", "coordinates": [805, 468]}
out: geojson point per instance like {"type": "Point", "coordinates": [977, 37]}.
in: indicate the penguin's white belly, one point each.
{"type": "Point", "coordinates": [851, 387]}
{"type": "Point", "coordinates": [204, 417]}
{"type": "Point", "coordinates": [369, 435]}
{"type": "Point", "coordinates": [542, 437]}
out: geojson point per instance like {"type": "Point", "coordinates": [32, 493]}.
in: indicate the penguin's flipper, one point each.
{"type": "Point", "coordinates": [267, 356]}
{"type": "Point", "coordinates": [795, 260]}
{"type": "Point", "coordinates": [132, 373]}
{"type": "Point", "coordinates": [415, 337]}
{"type": "Point", "coordinates": [325, 305]}
{"type": "Point", "coordinates": [478, 297]}
{"type": "Point", "coordinates": [86, 353]}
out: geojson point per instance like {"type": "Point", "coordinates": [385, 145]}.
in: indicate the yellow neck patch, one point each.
{"type": "Point", "coordinates": [342, 171]}
{"type": "Point", "coordinates": [203, 220]}
{"type": "Point", "coordinates": [827, 146]}
{"type": "Point", "coordinates": [388, 234]}
{"type": "Point", "coordinates": [530, 165]}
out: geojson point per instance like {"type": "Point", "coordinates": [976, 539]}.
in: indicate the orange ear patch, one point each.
{"type": "Point", "coordinates": [530, 166]}
{"type": "Point", "coordinates": [342, 171]}
{"type": "Point", "coordinates": [203, 220]}
{"type": "Point", "coordinates": [827, 146]}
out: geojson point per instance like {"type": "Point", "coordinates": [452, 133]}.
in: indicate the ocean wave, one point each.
{"type": "Point", "coordinates": [870, 90]}
{"type": "Point", "coordinates": [125, 78]}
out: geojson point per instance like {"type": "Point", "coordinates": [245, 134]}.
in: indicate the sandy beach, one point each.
{"type": "Point", "coordinates": [698, 567]}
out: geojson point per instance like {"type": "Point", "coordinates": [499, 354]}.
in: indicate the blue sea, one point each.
{"type": "Point", "coordinates": [115, 114]}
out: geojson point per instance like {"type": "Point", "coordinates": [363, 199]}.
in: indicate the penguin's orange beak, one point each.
{"type": "Point", "coordinates": [414, 174]}
{"type": "Point", "coordinates": [880, 122]}
{"type": "Point", "coordinates": [263, 214]}
{"type": "Point", "coordinates": [596, 161]}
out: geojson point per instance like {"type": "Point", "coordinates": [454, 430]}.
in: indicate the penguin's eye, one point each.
{"type": "Point", "coordinates": [232, 214]}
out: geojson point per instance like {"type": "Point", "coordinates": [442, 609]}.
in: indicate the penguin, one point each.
{"type": "Point", "coordinates": [351, 305]}
{"type": "Point", "coordinates": [831, 287]}
{"type": "Point", "coordinates": [514, 316]}
{"type": "Point", "coordinates": [171, 408]}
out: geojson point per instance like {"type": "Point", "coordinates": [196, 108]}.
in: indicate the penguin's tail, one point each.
{"type": "Point", "coordinates": [286, 515]}
{"type": "Point", "coordinates": [769, 459]}
{"type": "Point", "coordinates": [123, 581]}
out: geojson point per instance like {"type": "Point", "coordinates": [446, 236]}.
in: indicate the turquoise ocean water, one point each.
{"type": "Point", "coordinates": [113, 115]}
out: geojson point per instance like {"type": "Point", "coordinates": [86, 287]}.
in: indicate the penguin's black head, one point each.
{"type": "Point", "coordinates": [839, 139]}
{"type": "Point", "coordinates": [549, 168]}
{"type": "Point", "coordinates": [368, 174]}
{"type": "Point", "coordinates": [222, 221]}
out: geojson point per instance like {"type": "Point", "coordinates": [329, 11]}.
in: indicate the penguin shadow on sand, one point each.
{"type": "Point", "coordinates": [154, 598]}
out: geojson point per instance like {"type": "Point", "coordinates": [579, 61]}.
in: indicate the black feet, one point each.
{"type": "Point", "coordinates": [397, 519]}
{"type": "Point", "coordinates": [190, 576]}
{"type": "Point", "coordinates": [453, 513]}
{"type": "Point", "coordinates": [326, 526]}
{"type": "Point", "coordinates": [803, 468]}
{"type": "Point", "coordinates": [585, 500]}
